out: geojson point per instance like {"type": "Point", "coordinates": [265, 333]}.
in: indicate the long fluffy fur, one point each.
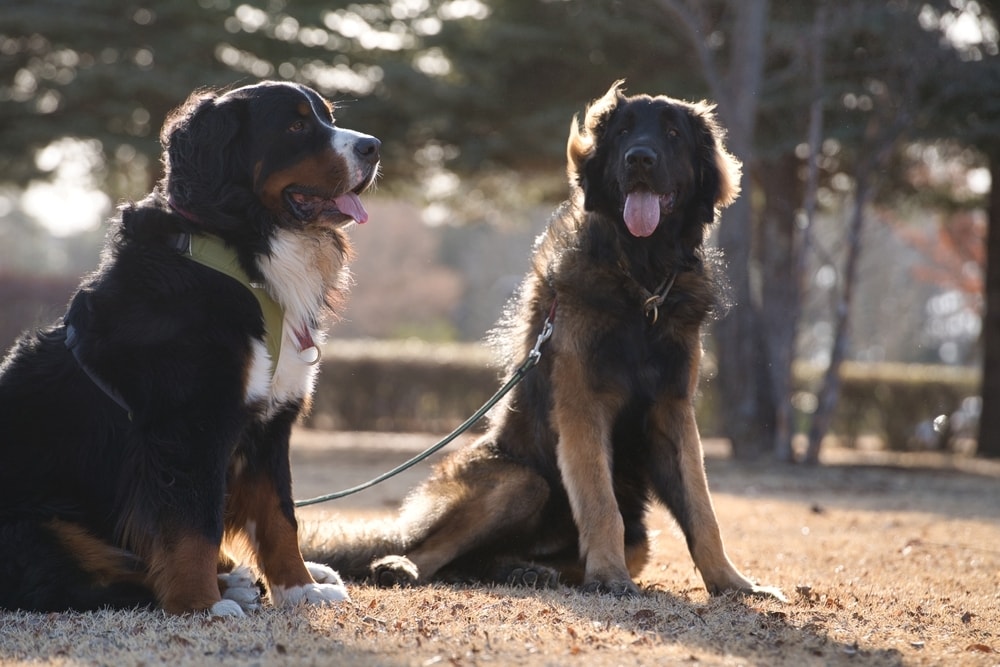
{"type": "Point", "coordinates": [115, 505]}
{"type": "Point", "coordinates": [558, 487]}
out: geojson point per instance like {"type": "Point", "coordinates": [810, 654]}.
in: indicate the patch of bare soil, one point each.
{"type": "Point", "coordinates": [887, 559]}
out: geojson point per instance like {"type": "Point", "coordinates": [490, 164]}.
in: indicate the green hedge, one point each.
{"type": "Point", "coordinates": [890, 399]}
{"type": "Point", "coordinates": [404, 386]}
{"type": "Point", "coordinates": [422, 387]}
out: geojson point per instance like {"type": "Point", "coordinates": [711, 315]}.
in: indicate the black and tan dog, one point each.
{"type": "Point", "coordinates": [558, 488]}
{"type": "Point", "coordinates": [149, 427]}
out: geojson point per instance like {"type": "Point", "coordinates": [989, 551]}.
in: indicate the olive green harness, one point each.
{"type": "Point", "coordinates": [211, 251]}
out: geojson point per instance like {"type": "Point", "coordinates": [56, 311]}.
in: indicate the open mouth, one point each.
{"type": "Point", "coordinates": [310, 204]}
{"type": "Point", "coordinates": [644, 210]}
{"type": "Point", "coordinates": [307, 205]}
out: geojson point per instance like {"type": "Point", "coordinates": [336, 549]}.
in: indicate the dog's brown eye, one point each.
{"type": "Point", "coordinates": [672, 133]}
{"type": "Point", "coordinates": [297, 126]}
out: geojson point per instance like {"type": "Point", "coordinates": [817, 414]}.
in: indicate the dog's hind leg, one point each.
{"type": "Point", "coordinates": [184, 573]}
{"type": "Point", "coordinates": [473, 504]}
{"type": "Point", "coordinates": [58, 565]}
{"type": "Point", "coordinates": [349, 547]}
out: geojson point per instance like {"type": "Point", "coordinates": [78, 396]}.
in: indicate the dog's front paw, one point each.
{"type": "Point", "coordinates": [318, 594]}
{"type": "Point", "coordinates": [528, 575]}
{"type": "Point", "coordinates": [322, 574]}
{"type": "Point", "coordinates": [766, 592]}
{"type": "Point", "coordinates": [240, 586]}
{"type": "Point", "coordinates": [733, 581]}
{"type": "Point", "coordinates": [227, 608]}
{"type": "Point", "coordinates": [621, 588]}
{"type": "Point", "coordinates": [394, 571]}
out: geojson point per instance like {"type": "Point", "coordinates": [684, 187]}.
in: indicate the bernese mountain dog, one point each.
{"type": "Point", "coordinates": [144, 437]}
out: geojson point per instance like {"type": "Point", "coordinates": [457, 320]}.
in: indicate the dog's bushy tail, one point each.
{"type": "Point", "coordinates": [349, 547]}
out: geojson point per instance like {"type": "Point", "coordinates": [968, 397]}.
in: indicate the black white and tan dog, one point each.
{"type": "Point", "coordinates": [559, 487]}
{"type": "Point", "coordinates": [147, 431]}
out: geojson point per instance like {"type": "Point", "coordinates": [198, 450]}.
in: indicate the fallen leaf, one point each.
{"type": "Point", "coordinates": [980, 648]}
{"type": "Point", "coordinates": [644, 615]}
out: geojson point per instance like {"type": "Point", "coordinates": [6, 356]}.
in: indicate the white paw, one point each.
{"type": "Point", "coordinates": [227, 608]}
{"type": "Point", "coordinates": [240, 587]}
{"type": "Point", "coordinates": [323, 574]}
{"type": "Point", "coordinates": [326, 593]}
{"type": "Point", "coordinates": [318, 594]}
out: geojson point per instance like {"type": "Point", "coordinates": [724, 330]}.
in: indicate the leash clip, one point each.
{"type": "Point", "coordinates": [536, 352]}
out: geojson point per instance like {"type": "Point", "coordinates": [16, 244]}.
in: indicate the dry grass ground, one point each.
{"type": "Point", "coordinates": [887, 560]}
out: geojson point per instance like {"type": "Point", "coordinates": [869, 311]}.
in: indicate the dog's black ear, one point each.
{"type": "Point", "coordinates": [198, 160]}
{"type": "Point", "coordinates": [585, 137]}
{"type": "Point", "coordinates": [718, 171]}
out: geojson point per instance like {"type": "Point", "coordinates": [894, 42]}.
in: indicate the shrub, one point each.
{"type": "Point", "coordinates": [891, 400]}
{"type": "Point", "coordinates": [421, 387]}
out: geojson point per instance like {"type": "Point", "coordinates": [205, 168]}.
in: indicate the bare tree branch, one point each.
{"type": "Point", "coordinates": [692, 17]}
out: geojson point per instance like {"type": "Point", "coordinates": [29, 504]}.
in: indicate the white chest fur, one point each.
{"type": "Point", "coordinates": [293, 377]}
{"type": "Point", "coordinates": [300, 272]}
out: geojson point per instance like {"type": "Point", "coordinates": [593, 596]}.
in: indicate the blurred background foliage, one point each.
{"type": "Point", "coordinates": [874, 117]}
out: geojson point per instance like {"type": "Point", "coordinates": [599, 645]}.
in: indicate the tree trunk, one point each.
{"type": "Point", "coordinates": [989, 420]}
{"type": "Point", "coordinates": [780, 287]}
{"type": "Point", "coordinates": [746, 401]}
{"type": "Point", "coordinates": [829, 392]}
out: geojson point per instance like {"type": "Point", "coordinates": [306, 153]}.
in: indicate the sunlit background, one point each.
{"type": "Point", "coordinates": [894, 103]}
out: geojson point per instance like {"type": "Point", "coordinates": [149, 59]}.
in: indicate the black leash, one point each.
{"type": "Point", "coordinates": [532, 359]}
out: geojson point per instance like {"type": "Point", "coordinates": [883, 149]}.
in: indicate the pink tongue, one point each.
{"type": "Point", "coordinates": [350, 204]}
{"type": "Point", "coordinates": [642, 212]}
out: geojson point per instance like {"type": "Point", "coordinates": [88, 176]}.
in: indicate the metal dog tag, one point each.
{"type": "Point", "coordinates": [310, 355]}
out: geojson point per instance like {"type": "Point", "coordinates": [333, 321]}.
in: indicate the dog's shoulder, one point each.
{"type": "Point", "coordinates": [146, 290]}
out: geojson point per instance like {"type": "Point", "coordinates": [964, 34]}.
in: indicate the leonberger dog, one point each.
{"type": "Point", "coordinates": [558, 488]}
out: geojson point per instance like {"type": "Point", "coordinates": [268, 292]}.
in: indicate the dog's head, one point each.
{"type": "Point", "coordinates": [640, 159]}
{"type": "Point", "coordinates": [271, 146]}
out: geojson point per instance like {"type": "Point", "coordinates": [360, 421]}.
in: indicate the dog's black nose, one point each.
{"type": "Point", "coordinates": [640, 156]}
{"type": "Point", "coordinates": [367, 149]}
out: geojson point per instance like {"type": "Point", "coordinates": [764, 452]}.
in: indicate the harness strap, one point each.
{"type": "Point", "coordinates": [211, 251]}
{"type": "Point", "coordinates": [72, 339]}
